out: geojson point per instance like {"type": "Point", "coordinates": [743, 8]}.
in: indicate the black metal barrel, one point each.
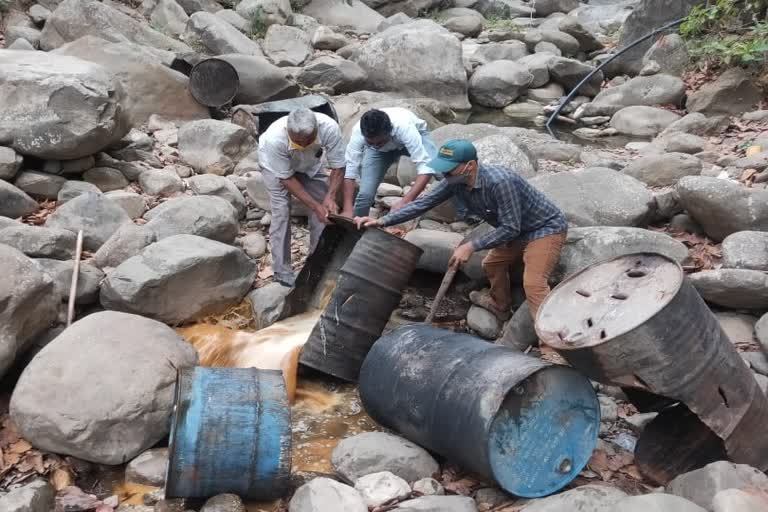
{"type": "Point", "coordinates": [368, 289]}
{"type": "Point", "coordinates": [213, 82]}
{"type": "Point", "coordinates": [257, 118]}
{"type": "Point", "coordinates": [635, 321]}
{"type": "Point", "coordinates": [529, 425]}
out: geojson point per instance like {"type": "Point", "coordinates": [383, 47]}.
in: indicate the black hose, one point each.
{"type": "Point", "coordinates": [601, 66]}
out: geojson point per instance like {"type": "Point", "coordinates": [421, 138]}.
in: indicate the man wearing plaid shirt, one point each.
{"type": "Point", "coordinates": [526, 222]}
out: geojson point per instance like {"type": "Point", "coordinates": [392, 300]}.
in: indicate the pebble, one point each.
{"type": "Point", "coordinates": [428, 487]}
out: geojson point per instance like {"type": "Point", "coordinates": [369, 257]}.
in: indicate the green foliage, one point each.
{"type": "Point", "coordinates": [501, 23]}
{"type": "Point", "coordinates": [258, 27]}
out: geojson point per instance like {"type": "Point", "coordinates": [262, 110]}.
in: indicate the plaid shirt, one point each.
{"type": "Point", "coordinates": [503, 199]}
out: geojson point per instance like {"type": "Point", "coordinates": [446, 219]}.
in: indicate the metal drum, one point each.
{"type": "Point", "coordinates": [257, 118]}
{"type": "Point", "coordinates": [231, 433]}
{"type": "Point", "coordinates": [635, 321]}
{"type": "Point", "coordinates": [368, 289]}
{"type": "Point", "coordinates": [213, 82]}
{"type": "Point", "coordinates": [528, 425]}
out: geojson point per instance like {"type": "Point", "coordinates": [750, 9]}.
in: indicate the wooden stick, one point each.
{"type": "Point", "coordinates": [75, 275]}
{"type": "Point", "coordinates": [447, 280]}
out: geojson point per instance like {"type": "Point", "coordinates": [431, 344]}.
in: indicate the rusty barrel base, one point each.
{"type": "Point", "coordinates": [213, 82]}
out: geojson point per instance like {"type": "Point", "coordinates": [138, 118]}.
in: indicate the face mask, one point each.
{"type": "Point", "coordinates": [294, 145]}
{"type": "Point", "coordinates": [457, 179]}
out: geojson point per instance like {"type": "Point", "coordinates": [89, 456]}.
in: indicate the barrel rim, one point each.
{"type": "Point", "coordinates": [169, 487]}
{"type": "Point", "coordinates": [203, 101]}
{"type": "Point", "coordinates": [552, 340]}
{"type": "Point", "coordinates": [349, 223]}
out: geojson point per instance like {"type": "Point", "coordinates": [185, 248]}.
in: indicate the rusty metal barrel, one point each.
{"type": "Point", "coordinates": [636, 322]}
{"type": "Point", "coordinates": [368, 289]}
{"type": "Point", "coordinates": [213, 82]}
{"type": "Point", "coordinates": [529, 425]}
{"type": "Point", "coordinates": [230, 433]}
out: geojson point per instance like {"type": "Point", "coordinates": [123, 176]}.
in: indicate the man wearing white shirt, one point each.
{"type": "Point", "coordinates": [291, 155]}
{"type": "Point", "coordinates": [378, 140]}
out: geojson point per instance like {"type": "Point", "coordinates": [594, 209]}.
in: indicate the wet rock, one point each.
{"type": "Point", "coordinates": [739, 327]}
{"type": "Point", "coordinates": [206, 216]}
{"type": "Point", "coordinates": [438, 504]}
{"type": "Point", "coordinates": [40, 242]}
{"type": "Point", "coordinates": [132, 203]}
{"type": "Point", "coordinates": [128, 241]}
{"type": "Point", "coordinates": [273, 12]}
{"type": "Point", "coordinates": [588, 498]}
{"type": "Point", "coordinates": [267, 303]}
{"type": "Point", "coordinates": [10, 163]}
{"type": "Point", "coordinates": [569, 72]}
{"type": "Point", "coordinates": [380, 488]}
{"type": "Point", "coordinates": [95, 214]}
{"type": "Point", "coordinates": [732, 93]}
{"type": "Point", "coordinates": [37, 496]}
{"type": "Point", "coordinates": [438, 246]}
{"type": "Point", "coordinates": [737, 500]}
{"type": "Point", "coordinates": [353, 13]}
{"type": "Point", "coordinates": [324, 494]}
{"type": "Point", "coordinates": [214, 147]}
{"type": "Point", "coordinates": [657, 502]}
{"type": "Point", "coordinates": [39, 185]}
{"type": "Point", "coordinates": [387, 58]}
{"type": "Point", "coordinates": [664, 169]}
{"type": "Point", "coordinates": [254, 245]}
{"type": "Point", "coordinates": [746, 249]}
{"type": "Point", "coordinates": [224, 503]}
{"type": "Point", "coordinates": [642, 121]}
{"type": "Point", "coordinates": [498, 83]}
{"type": "Point", "coordinates": [670, 53]}
{"type": "Point", "coordinates": [148, 468]}
{"type": "Point", "coordinates": [71, 189]}
{"type": "Point", "coordinates": [131, 356]}
{"type": "Point", "coordinates": [375, 452]}
{"type": "Point", "coordinates": [105, 178]}
{"type": "Point", "coordinates": [160, 182]}
{"type": "Point", "coordinates": [334, 72]}
{"type": "Point", "coordinates": [506, 152]}
{"type": "Point", "coordinates": [580, 196]}
{"type": "Point", "coordinates": [179, 279]}
{"type": "Point", "coordinates": [428, 487]}
{"type": "Point", "coordinates": [702, 485]}
{"type": "Point", "coordinates": [483, 322]}
{"type": "Point", "coordinates": [722, 207]}
{"type": "Point", "coordinates": [645, 91]}
{"type": "Point", "coordinates": [733, 288]}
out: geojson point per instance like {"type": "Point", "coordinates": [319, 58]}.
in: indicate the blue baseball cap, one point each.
{"type": "Point", "coordinates": [453, 153]}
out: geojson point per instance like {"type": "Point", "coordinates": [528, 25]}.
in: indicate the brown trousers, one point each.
{"type": "Point", "coordinates": [539, 257]}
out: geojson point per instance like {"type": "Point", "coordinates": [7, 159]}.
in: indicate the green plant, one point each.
{"type": "Point", "coordinates": [258, 26]}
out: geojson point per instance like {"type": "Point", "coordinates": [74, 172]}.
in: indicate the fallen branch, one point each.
{"type": "Point", "coordinates": [75, 274]}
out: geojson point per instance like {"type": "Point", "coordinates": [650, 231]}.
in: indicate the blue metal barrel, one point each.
{"type": "Point", "coordinates": [230, 433]}
{"type": "Point", "coordinates": [528, 425]}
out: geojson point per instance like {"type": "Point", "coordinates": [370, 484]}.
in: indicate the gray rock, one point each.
{"type": "Point", "coordinates": [106, 179]}
{"type": "Point", "coordinates": [234, 19]}
{"type": "Point", "coordinates": [738, 500]}
{"type": "Point", "coordinates": [254, 245]}
{"type": "Point", "coordinates": [491, 497]}
{"type": "Point", "coordinates": [21, 44]}
{"type": "Point", "coordinates": [670, 53]}
{"type": "Point", "coordinates": [733, 288]}
{"type": "Point", "coordinates": [504, 9]}
{"type": "Point", "coordinates": [565, 43]}
{"type": "Point", "coordinates": [74, 19]}
{"type": "Point", "coordinates": [324, 494]}
{"type": "Point", "coordinates": [723, 207]}
{"type": "Point", "coordinates": [224, 503]}
{"type": "Point", "coordinates": [136, 360]}
{"type": "Point", "coordinates": [10, 163]}
{"type": "Point", "coordinates": [538, 66]}
{"type": "Point", "coordinates": [374, 452]}
{"type": "Point", "coordinates": [504, 151]}
{"type": "Point", "coordinates": [214, 147]}
{"type": "Point", "coordinates": [757, 361]}
{"type": "Point", "coordinates": [526, 111]}
{"type": "Point", "coordinates": [39, 14]}
{"type": "Point", "coordinates": [519, 332]}
{"type": "Point", "coordinates": [272, 12]}
{"type": "Point", "coordinates": [438, 504]}
{"type": "Point", "coordinates": [573, 27]}
{"type": "Point", "coordinates": [746, 249]}
{"type": "Point", "coordinates": [663, 170]}
{"type": "Point", "coordinates": [698, 124]}
{"type": "Point", "coordinates": [604, 18]}
{"type": "Point", "coordinates": [205, 216]}
{"type": "Point", "coordinates": [589, 245]}
{"type": "Point", "coordinates": [569, 72]}
{"type": "Point", "coordinates": [132, 203]}
{"type": "Point", "coordinates": [128, 241]}
{"type": "Point", "coordinates": [499, 83]}
{"type": "Point", "coordinates": [380, 488]}
{"type": "Point", "coordinates": [37, 496]}
{"type": "Point", "coordinates": [658, 502]}
{"type": "Point", "coordinates": [166, 15]}
{"type": "Point", "coordinates": [580, 195]}
{"type": "Point", "coordinates": [702, 485]}
{"type": "Point", "coordinates": [131, 170]}
{"type": "Point", "coordinates": [266, 82]}
{"type": "Point", "coordinates": [732, 93]}
{"type": "Point", "coordinates": [179, 279]}
{"type": "Point", "coordinates": [438, 246]}
{"type": "Point", "coordinates": [388, 60]}
{"type": "Point", "coordinates": [218, 36]}
{"type": "Point", "coordinates": [548, 94]}
{"type": "Point", "coordinates": [160, 182]}
{"type": "Point", "coordinates": [31, 35]}
{"type": "Point", "coordinates": [644, 91]}
{"type": "Point", "coordinates": [588, 498]}
{"type": "Point", "coordinates": [14, 202]}
{"type": "Point", "coordinates": [739, 327]}
{"type": "Point", "coordinates": [546, 7]}
{"type": "Point", "coordinates": [89, 279]}
{"type": "Point", "coordinates": [192, 6]}
{"type": "Point", "coordinates": [287, 46]}
{"type": "Point", "coordinates": [483, 322]}
{"type": "Point", "coordinates": [40, 185]}
{"type": "Point", "coordinates": [96, 215]}
{"type": "Point", "coordinates": [212, 185]}
{"type": "Point", "coordinates": [428, 487]}
{"type": "Point", "coordinates": [642, 121]}
{"type": "Point", "coordinates": [332, 72]}
{"type": "Point", "coordinates": [39, 242]}
{"type": "Point", "coordinates": [469, 26]}
{"type": "Point", "coordinates": [490, 52]}
{"type": "Point", "coordinates": [267, 303]}
{"type": "Point", "coordinates": [71, 189]}
{"type": "Point", "coordinates": [325, 38]}
{"type": "Point", "coordinates": [399, 18]}
{"type": "Point", "coordinates": [676, 142]}
{"type": "Point", "coordinates": [758, 162]}
{"type": "Point", "coordinates": [761, 332]}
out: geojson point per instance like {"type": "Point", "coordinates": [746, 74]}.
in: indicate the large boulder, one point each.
{"type": "Point", "coordinates": [95, 214]}
{"type": "Point", "coordinates": [204, 216]}
{"type": "Point", "coordinates": [58, 409]}
{"type": "Point", "coordinates": [179, 279]}
{"type": "Point", "coordinates": [645, 91]}
{"type": "Point", "coordinates": [732, 93]}
{"type": "Point", "coordinates": [57, 107]}
{"type": "Point", "coordinates": [14, 202]}
{"type": "Point", "coordinates": [570, 72]}
{"type": "Point", "coordinates": [438, 246]}
{"type": "Point", "coordinates": [260, 80]}
{"type": "Point", "coordinates": [582, 197]}
{"type": "Point", "coordinates": [335, 73]}
{"type": "Point", "coordinates": [388, 60]}
{"type": "Point", "coordinates": [40, 242]}
{"type": "Point", "coordinates": [722, 207]}
{"type": "Point", "coordinates": [670, 53]}
{"type": "Point", "coordinates": [702, 485]}
{"type": "Point", "coordinates": [745, 249]}
{"type": "Point", "coordinates": [150, 86]}
{"type": "Point", "coordinates": [218, 36]}
{"type": "Point", "coordinates": [642, 121]}
{"type": "Point", "coordinates": [214, 147]}
{"type": "Point", "coordinates": [128, 241]}
{"type": "Point", "coordinates": [287, 46]}
{"type": "Point", "coordinates": [499, 83]}
{"type": "Point", "coordinates": [28, 305]}
{"type": "Point", "coordinates": [344, 13]}
{"type": "Point", "coordinates": [587, 498]}
{"type": "Point", "coordinates": [733, 288]}
{"type": "Point", "coordinates": [219, 186]}
{"type": "Point", "coordinates": [664, 169]}
{"type": "Point", "coordinates": [505, 151]}
{"type": "Point", "coordinates": [74, 19]}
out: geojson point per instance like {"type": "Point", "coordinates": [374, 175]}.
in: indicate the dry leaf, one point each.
{"type": "Point", "coordinates": [632, 471]}
{"type": "Point", "coordinates": [62, 479]}
{"type": "Point", "coordinates": [20, 446]}
{"type": "Point", "coordinates": [464, 487]}
{"type": "Point", "coordinates": [266, 273]}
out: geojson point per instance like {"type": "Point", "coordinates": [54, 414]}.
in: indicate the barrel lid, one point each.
{"type": "Point", "coordinates": [607, 299]}
{"type": "Point", "coordinates": [214, 82]}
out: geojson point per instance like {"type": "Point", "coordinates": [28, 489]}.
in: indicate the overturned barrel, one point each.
{"type": "Point", "coordinates": [230, 433]}
{"type": "Point", "coordinates": [368, 289]}
{"type": "Point", "coordinates": [528, 425]}
{"type": "Point", "coordinates": [213, 82]}
{"type": "Point", "coordinates": [636, 322]}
